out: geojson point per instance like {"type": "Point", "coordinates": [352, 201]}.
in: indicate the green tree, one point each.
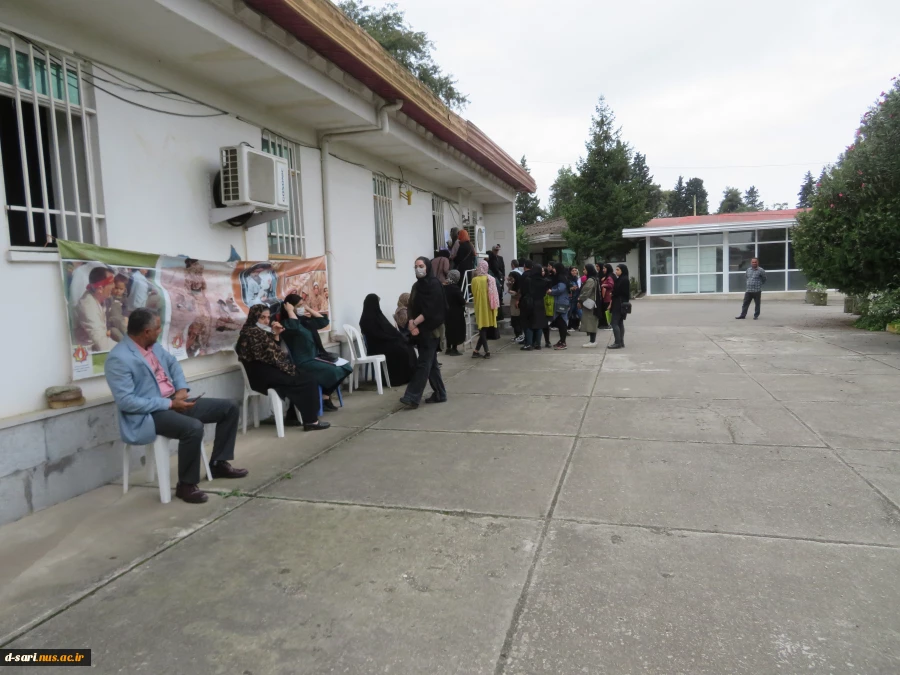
{"type": "Point", "coordinates": [752, 202]}
{"type": "Point", "coordinates": [562, 191]}
{"type": "Point", "coordinates": [676, 205]}
{"type": "Point", "coordinates": [522, 245]}
{"type": "Point", "coordinates": [528, 206]}
{"type": "Point", "coordinates": [411, 48]}
{"type": "Point", "coordinates": [731, 201]}
{"type": "Point", "coordinates": [663, 210]}
{"type": "Point", "coordinates": [606, 200]}
{"type": "Point", "coordinates": [647, 191]}
{"type": "Point", "coordinates": [694, 188]}
{"type": "Point", "coordinates": [807, 190]}
{"type": "Point", "coordinates": [849, 238]}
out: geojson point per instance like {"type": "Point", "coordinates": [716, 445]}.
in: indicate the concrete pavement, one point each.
{"type": "Point", "coordinates": [719, 497]}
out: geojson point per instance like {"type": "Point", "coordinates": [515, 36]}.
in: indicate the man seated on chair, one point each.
{"type": "Point", "coordinates": [152, 396]}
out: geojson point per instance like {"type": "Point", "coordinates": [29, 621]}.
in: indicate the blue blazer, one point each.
{"type": "Point", "coordinates": [133, 384]}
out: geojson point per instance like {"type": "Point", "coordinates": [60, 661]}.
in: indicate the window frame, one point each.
{"type": "Point", "coordinates": [68, 71]}
{"type": "Point", "coordinates": [437, 222]}
{"type": "Point", "coordinates": [383, 202]}
{"type": "Point", "coordinates": [288, 232]}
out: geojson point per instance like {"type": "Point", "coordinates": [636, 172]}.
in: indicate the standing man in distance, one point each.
{"type": "Point", "coordinates": [756, 277]}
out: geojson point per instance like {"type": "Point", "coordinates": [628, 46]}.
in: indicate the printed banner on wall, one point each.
{"type": "Point", "coordinates": [203, 304]}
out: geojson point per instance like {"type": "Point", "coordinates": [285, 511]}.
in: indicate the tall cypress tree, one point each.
{"type": "Point", "coordinates": [677, 204]}
{"type": "Point", "coordinates": [752, 202]}
{"type": "Point", "coordinates": [807, 190]}
{"type": "Point", "coordinates": [648, 192]}
{"type": "Point", "coordinates": [561, 192]}
{"type": "Point", "coordinates": [605, 199]}
{"type": "Point", "coordinates": [694, 188]}
{"type": "Point", "coordinates": [528, 206]}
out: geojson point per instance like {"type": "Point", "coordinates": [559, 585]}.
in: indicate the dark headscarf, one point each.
{"type": "Point", "coordinates": [623, 284]}
{"type": "Point", "coordinates": [255, 344]}
{"type": "Point", "coordinates": [373, 323]}
{"type": "Point", "coordinates": [591, 271]}
{"type": "Point", "coordinates": [609, 271]}
{"type": "Point", "coordinates": [443, 253]}
{"type": "Point", "coordinates": [428, 300]}
{"type": "Point", "coordinates": [295, 300]}
{"type": "Point", "coordinates": [561, 275]}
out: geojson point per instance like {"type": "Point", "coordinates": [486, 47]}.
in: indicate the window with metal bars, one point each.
{"type": "Point", "coordinates": [286, 235]}
{"type": "Point", "coordinates": [384, 218]}
{"type": "Point", "coordinates": [51, 184]}
{"type": "Point", "coordinates": [437, 219]}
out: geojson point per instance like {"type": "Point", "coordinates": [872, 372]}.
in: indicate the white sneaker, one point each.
{"type": "Point", "coordinates": [589, 345]}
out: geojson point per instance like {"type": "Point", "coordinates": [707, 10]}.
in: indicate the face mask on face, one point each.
{"type": "Point", "coordinates": [420, 272]}
{"type": "Point", "coordinates": [263, 326]}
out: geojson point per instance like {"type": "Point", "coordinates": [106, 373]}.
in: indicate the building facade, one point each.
{"type": "Point", "coordinates": [711, 254]}
{"type": "Point", "coordinates": [112, 116]}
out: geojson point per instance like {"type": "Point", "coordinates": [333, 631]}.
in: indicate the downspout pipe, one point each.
{"type": "Point", "coordinates": [325, 139]}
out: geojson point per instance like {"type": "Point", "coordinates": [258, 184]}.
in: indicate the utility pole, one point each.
{"type": "Point", "coordinates": [695, 205]}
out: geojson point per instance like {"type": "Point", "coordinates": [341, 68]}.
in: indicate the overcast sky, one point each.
{"type": "Point", "coordinates": [735, 93]}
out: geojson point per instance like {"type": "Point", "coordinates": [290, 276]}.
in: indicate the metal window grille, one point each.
{"type": "Point", "coordinates": [437, 218]}
{"type": "Point", "coordinates": [286, 235]}
{"type": "Point", "coordinates": [384, 218]}
{"type": "Point", "coordinates": [47, 152]}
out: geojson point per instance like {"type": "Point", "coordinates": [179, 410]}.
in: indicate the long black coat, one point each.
{"type": "Point", "coordinates": [455, 324]}
{"type": "Point", "coordinates": [533, 288]}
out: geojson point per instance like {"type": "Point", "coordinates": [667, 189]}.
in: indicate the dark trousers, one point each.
{"type": "Point", "coordinates": [559, 321]}
{"type": "Point", "coordinates": [426, 371]}
{"type": "Point", "coordinates": [532, 337]}
{"type": "Point", "coordinates": [516, 322]}
{"type": "Point", "coordinates": [756, 297]}
{"type": "Point", "coordinates": [593, 337]}
{"type": "Point", "coordinates": [483, 340]}
{"type": "Point", "coordinates": [301, 388]}
{"type": "Point", "coordinates": [618, 325]}
{"type": "Point", "coordinates": [187, 427]}
{"type": "Point", "coordinates": [546, 336]}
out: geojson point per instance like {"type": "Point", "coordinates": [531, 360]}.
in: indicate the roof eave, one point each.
{"type": "Point", "coordinates": [641, 232]}
{"type": "Point", "coordinates": [327, 30]}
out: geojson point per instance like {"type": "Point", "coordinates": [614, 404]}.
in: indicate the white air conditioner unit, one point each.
{"type": "Point", "coordinates": [254, 178]}
{"type": "Point", "coordinates": [480, 240]}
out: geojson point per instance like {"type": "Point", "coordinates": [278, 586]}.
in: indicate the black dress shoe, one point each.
{"type": "Point", "coordinates": [740, 317]}
{"type": "Point", "coordinates": [319, 426]}
{"type": "Point", "coordinates": [225, 470]}
{"type": "Point", "coordinates": [409, 405]}
{"type": "Point", "coordinates": [190, 493]}
{"type": "Point", "coordinates": [616, 347]}
{"type": "Point", "coordinates": [434, 399]}
{"type": "Point", "coordinates": [328, 405]}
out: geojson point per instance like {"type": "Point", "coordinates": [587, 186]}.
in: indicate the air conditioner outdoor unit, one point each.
{"type": "Point", "coordinates": [253, 178]}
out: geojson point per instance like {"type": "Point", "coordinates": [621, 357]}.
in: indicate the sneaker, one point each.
{"type": "Point", "coordinates": [537, 348]}
{"type": "Point", "coordinates": [318, 426]}
{"type": "Point", "coordinates": [589, 345]}
{"type": "Point", "coordinates": [560, 346]}
{"type": "Point", "coordinates": [487, 355]}
{"type": "Point", "coordinates": [476, 355]}
{"type": "Point", "coordinates": [190, 493]}
{"type": "Point", "coordinates": [755, 318]}
{"type": "Point", "coordinates": [520, 339]}
{"type": "Point", "coordinates": [526, 348]}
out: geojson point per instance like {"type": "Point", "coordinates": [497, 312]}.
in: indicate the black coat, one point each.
{"type": "Point", "coordinates": [465, 257]}
{"type": "Point", "coordinates": [533, 288]}
{"type": "Point", "coordinates": [455, 325]}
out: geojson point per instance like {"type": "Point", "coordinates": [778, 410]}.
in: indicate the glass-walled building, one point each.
{"type": "Point", "coordinates": [711, 254]}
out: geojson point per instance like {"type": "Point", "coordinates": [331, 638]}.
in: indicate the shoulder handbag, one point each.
{"type": "Point", "coordinates": [626, 307]}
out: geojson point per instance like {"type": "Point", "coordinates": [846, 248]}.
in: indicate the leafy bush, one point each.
{"type": "Point", "coordinates": [850, 238]}
{"type": "Point", "coordinates": [633, 285]}
{"type": "Point", "coordinates": [818, 288]}
{"type": "Point", "coordinates": [880, 310]}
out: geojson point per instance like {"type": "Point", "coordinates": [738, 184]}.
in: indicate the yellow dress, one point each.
{"type": "Point", "coordinates": [485, 317]}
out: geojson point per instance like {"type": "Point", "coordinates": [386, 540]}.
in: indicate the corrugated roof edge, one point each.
{"type": "Point", "coordinates": [323, 27]}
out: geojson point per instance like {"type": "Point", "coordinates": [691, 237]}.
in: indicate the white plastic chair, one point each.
{"type": "Point", "coordinates": [360, 360]}
{"type": "Point", "coordinates": [274, 401]}
{"type": "Point", "coordinates": [159, 465]}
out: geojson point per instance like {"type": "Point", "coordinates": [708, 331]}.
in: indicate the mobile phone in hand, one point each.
{"type": "Point", "coordinates": [195, 399]}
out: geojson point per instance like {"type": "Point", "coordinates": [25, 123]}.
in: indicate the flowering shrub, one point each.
{"type": "Point", "coordinates": [850, 238]}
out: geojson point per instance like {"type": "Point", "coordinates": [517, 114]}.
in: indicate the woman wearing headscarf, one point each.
{"type": "Point", "coordinates": [559, 289]}
{"type": "Point", "coordinates": [427, 312]}
{"type": "Point", "coordinates": [440, 265]}
{"type": "Point", "coordinates": [301, 335]}
{"type": "Point", "coordinates": [589, 301]}
{"type": "Point", "coordinates": [621, 296]}
{"type": "Point", "coordinates": [575, 284]}
{"type": "Point", "coordinates": [401, 314]}
{"type": "Point", "coordinates": [486, 302]}
{"type": "Point", "coordinates": [607, 279]}
{"type": "Point", "coordinates": [465, 255]}
{"type": "Point", "coordinates": [382, 338]}
{"type": "Point", "coordinates": [495, 269]}
{"type": "Point", "coordinates": [532, 290]}
{"type": "Point", "coordinates": [268, 364]}
{"type": "Point", "coordinates": [455, 326]}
